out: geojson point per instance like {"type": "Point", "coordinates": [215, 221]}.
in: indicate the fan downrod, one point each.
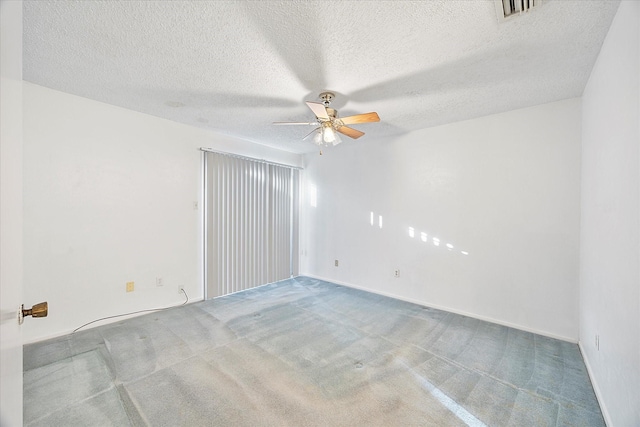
{"type": "Point", "coordinates": [326, 98]}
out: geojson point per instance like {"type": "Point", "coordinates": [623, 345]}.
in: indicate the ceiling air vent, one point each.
{"type": "Point", "coordinates": [510, 8]}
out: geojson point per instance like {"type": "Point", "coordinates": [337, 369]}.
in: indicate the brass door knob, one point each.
{"type": "Point", "coordinates": [38, 310]}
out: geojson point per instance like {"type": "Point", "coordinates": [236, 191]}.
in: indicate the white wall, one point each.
{"type": "Point", "coordinates": [610, 233]}
{"type": "Point", "coordinates": [10, 212]}
{"type": "Point", "coordinates": [108, 199]}
{"type": "Point", "coordinates": [504, 188]}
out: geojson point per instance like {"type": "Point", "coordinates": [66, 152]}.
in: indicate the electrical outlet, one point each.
{"type": "Point", "coordinates": [129, 286]}
{"type": "Point", "coordinates": [159, 281]}
{"type": "Point", "coordinates": [597, 342]}
{"type": "Point", "coordinates": [396, 273]}
{"type": "Point", "coordinates": [181, 289]}
{"type": "Point", "coordinates": [336, 263]}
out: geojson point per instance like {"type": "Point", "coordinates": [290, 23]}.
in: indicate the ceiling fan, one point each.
{"type": "Point", "coordinates": [328, 122]}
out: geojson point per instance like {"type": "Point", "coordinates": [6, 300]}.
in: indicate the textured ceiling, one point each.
{"type": "Point", "coordinates": [237, 66]}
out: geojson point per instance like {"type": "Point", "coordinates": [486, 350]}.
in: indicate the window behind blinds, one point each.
{"type": "Point", "coordinates": [251, 223]}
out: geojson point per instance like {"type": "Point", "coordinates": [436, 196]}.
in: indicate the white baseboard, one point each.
{"type": "Point", "coordinates": [594, 384]}
{"type": "Point", "coordinates": [120, 318]}
{"type": "Point", "coordinates": [449, 309]}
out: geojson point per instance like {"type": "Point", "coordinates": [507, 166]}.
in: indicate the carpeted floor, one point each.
{"type": "Point", "coordinates": [303, 352]}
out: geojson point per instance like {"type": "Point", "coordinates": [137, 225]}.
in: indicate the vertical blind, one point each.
{"type": "Point", "coordinates": [251, 223]}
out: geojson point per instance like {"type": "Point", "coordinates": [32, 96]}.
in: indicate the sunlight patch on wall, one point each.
{"type": "Point", "coordinates": [313, 196]}
{"type": "Point", "coordinates": [372, 219]}
{"type": "Point", "coordinates": [425, 238]}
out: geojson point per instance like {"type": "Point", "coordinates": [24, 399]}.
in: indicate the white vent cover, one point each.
{"type": "Point", "coordinates": [510, 8]}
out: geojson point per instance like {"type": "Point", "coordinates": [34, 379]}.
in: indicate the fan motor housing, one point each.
{"type": "Point", "coordinates": [326, 97]}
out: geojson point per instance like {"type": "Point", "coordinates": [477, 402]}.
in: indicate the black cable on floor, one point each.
{"type": "Point", "coordinates": [134, 312]}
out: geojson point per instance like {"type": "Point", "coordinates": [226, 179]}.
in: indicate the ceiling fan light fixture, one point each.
{"type": "Point", "coordinates": [327, 136]}
{"type": "Point", "coordinates": [332, 138]}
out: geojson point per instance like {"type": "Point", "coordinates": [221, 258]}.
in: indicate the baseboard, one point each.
{"type": "Point", "coordinates": [444, 308]}
{"type": "Point", "coordinates": [120, 318]}
{"type": "Point", "coordinates": [594, 384]}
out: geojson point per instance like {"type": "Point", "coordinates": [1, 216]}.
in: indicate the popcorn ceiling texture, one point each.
{"type": "Point", "coordinates": [234, 67]}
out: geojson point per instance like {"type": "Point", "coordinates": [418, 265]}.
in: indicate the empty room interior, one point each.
{"type": "Point", "coordinates": [320, 213]}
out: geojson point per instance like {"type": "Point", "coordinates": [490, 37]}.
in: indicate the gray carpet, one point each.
{"type": "Point", "coordinates": [303, 352]}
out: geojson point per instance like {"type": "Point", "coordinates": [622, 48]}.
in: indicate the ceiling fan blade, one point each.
{"type": "Point", "coordinates": [318, 109]}
{"type": "Point", "coordinates": [350, 132]}
{"type": "Point", "coordinates": [310, 133]}
{"type": "Point", "coordinates": [361, 118]}
{"type": "Point", "coordinates": [295, 123]}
